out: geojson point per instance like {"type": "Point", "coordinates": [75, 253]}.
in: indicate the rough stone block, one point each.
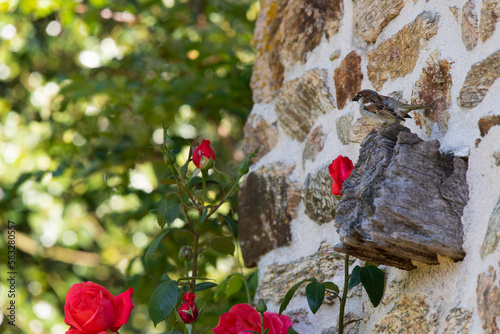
{"type": "Point", "coordinates": [370, 17]}
{"type": "Point", "coordinates": [317, 195]}
{"type": "Point", "coordinates": [267, 202]}
{"type": "Point", "coordinates": [301, 101]}
{"type": "Point", "coordinates": [348, 77]}
{"type": "Point", "coordinates": [259, 134]}
{"type": "Point", "coordinates": [403, 201]}
{"type": "Point", "coordinates": [479, 80]}
{"type": "Point", "coordinates": [397, 56]}
{"type": "Point", "coordinates": [434, 89]}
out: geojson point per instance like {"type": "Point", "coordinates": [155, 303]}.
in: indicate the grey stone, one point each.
{"type": "Point", "coordinates": [267, 202]}
{"type": "Point", "coordinates": [371, 16]}
{"type": "Point", "coordinates": [398, 55]}
{"type": "Point", "coordinates": [317, 196]}
{"type": "Point", "coordinates": [301, 101]}
{"type": "Point", "coordinates": [490, 241]}
{"type": "Point", "coordinates": [479, 80]}
{"type": "Point", "coordinates": [344, 126]}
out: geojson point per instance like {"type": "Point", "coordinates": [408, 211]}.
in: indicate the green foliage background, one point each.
{"type": "Point", "coordinates": [85, 87]}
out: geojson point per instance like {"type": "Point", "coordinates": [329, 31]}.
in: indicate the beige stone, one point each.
{"type": "Point", "coordinates": [411, 314]}
{"type": "Point", "coordinates": [479, 80]}
{"type": "Point", "coordinates": [317, 195]}
{"type": "Point", "coordinates": [344, 127]}
{"type": "Point", "coordinates": [456, 12]}
{"type": "Point", "coordinates": [433, 89]}
{"type": "Point", "coordinates": [278, 279]}
{"type": "Point", "coordinates": [370, 17]}
{"type": "Point", "coordinates": [496, 156]}
{"type": "Point", "coordinates": [490, 241]}
{"type": "Point", "coordinates": [490, 12]}
{"type": "Point", "coordinates": [458, 321]}
{"type": "Point", "coordinates": [487, 122]}
{"type": "Point", "coordinates": [397, 56]}
{"type": "Point", "coordinates": [470, 25]}
{"type": "Point", "coordinates": [267, 76]}
{"type": "Point", "coordinates": [301, 101]}
{"type": "Point", "coordinates": [268, 69]}
{"type": "Point", "coordinates": [348, 77]}
{"type": "Point", "coordinates": [304, 24]}
{"type": "Point", "coordinates": [259, 134]}
{"type": "Point", "coordinates": [359, 130]}
{"type": "Point", "coordinates": [285, 32]}
{"type": "Point", "coordinates": [488, 300]}
{"type": "Point", "coordinates": [314, 144]}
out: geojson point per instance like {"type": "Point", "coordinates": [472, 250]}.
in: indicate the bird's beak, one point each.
{"type": "Point", "coordinates": [356, 98]}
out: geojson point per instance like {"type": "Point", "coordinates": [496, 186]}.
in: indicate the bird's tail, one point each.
{"type": "Point", "coordinates": [410, 107]}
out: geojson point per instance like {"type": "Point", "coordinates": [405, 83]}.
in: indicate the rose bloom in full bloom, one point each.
{"type": "Point", "coordinates": [91, 309]}
{"type": "Point", "coordinates": [202, 154]}
{"type": "Point", "coordinates": [340, 169]}
{"type": "Point", "coordinates": [243, 317]}
{"type": "Point", "coordinates": [188, 311]}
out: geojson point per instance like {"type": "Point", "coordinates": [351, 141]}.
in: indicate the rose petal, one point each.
{"type": "Point", "coordinates": [103, 317]}
{"type": "Point", "coordinates": [240, 318]}
{"type": "Point", "coordinates": [73, 330]}
{"type": "Point", "coordinates": [123, 308]}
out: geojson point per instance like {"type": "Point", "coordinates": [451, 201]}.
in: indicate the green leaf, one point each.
{"type": "Point", "coordinates": [291, 331]}
{"type": "Point", "coordinates": [315, 293]}
{"type": "Point", "coordinates": [188, 278]}
{"type": "Point", "coordinates": [155, 244]}
{"type": "Point", "coordinates": [204, 214]}
{"type": "Point", "coordinates": [204, 286]}
{"type": "Point", "coordinates": [372, 279]}
{"type": "Point", "coordinates": [167, 213]}
{"type": "Point", "coordinates": [223, 246]}
{"type": "Point", "coordinates": [355, 278]}
{"type": "Point", "coordinates": [221, 289]}
{"type": "Point", "coordinates": [233, 285]}
{"type": "Point", "coordinates": [162, 301]}
{"type": "Point", "coordinates": [196, 180]}
{"type": "Point", "coordinates": [165, 277]}
{"type": "Point", "coordinates": [233, 226]}
{"type": "Point", "coordinates": [331, 286]}
{"type": "Point", "coordinates": [167, 181]}
{"type": "Point", "coordinates": [290, 293]}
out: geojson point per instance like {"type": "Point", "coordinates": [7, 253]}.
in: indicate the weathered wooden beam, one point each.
{"type": "Point", "coordinates": [403, 201]}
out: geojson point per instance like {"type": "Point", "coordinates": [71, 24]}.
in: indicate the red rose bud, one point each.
{"type": "Point", "coordinates": [340, 169]}
{"type": "Point", "coordinates": [202, 155]}
{"type": "Point", "coordinates": [188, 310]}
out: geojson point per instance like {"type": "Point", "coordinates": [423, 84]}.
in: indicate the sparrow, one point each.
{"type": "Point", "coordinates": [378, 109]}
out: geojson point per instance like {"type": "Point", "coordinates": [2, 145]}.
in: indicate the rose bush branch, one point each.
{"type": "Point", "coordinates": [193, 205]}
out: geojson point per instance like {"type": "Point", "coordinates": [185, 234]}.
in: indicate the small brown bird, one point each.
{"type": "Point", "coordinates": [378, 109]}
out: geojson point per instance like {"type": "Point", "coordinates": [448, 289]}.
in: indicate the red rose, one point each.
{"type": "Point", "coordinates": [188, 310]}
{"type": "Point", "coordinates": [243, 317]}
{"type": "Point", "coordinates": [202, 154]}
{"type": "Point", "coordinates": [340, 169]}
{"type": "Point", "coordinates": [92, 309]}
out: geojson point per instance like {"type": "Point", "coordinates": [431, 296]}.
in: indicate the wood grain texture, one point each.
{"type": "Point", "coordinates": [403, 201]}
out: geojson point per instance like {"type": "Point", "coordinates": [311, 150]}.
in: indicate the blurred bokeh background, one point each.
{"type": "Point", "coordinates": [85, 86]}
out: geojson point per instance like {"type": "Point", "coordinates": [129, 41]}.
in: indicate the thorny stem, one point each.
{"type": "Point", "coordinates": [247, 288]}
{"type": "Point", "coordinates": [184, 207]}
{"type": "Point", "coordinates": [195, 259]}
{"type": "Point", "coordinates": [344, 294]}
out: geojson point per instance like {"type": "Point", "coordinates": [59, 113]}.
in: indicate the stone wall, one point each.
{"type": "Point", "coordinates": [313, 57]}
